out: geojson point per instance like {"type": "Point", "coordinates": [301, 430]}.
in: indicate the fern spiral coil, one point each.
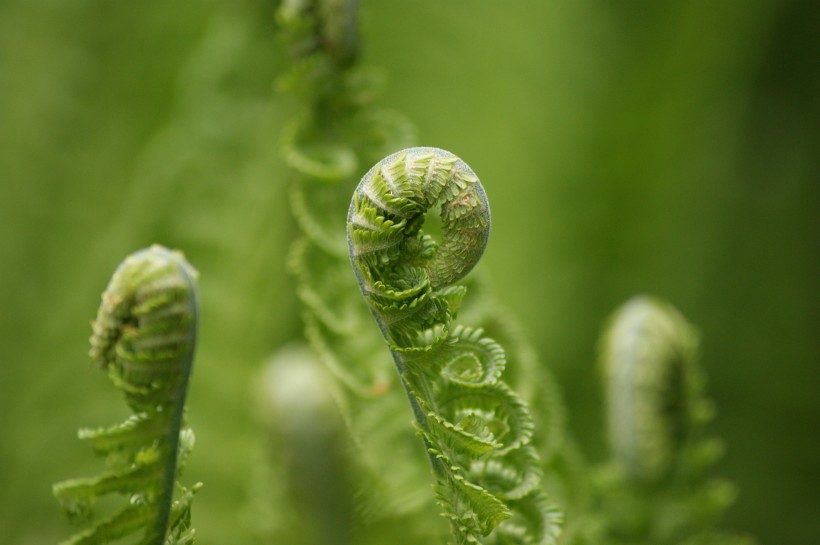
{"type": "Point", "coordinates": [146, 327]}
{"type": "Point", "coordinates": [476, 429]}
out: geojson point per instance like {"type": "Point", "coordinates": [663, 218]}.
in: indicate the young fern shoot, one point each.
{"type": "Point", "coordinates": [648, 357]}
{"type": "Point", "coordinates": [144, 336]}
{"type": "Point", "coordinates": [658, 490]}
{"type": "Point", "coordinates": [476, 430]}
{"type": "Point", "coordinates": [342, 127]}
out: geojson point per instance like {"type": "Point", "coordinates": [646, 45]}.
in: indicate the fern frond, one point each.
{"type": "Point", "coordinates": [648, 357]}
{"type": "Point", "coordinates": [477, 431]}
{"type": "Point", "coordinates": [658, 489]}
{"type": "Point", "coordinates": [339, 129]}
{"type": "Point", "coordinates": [144, 336]}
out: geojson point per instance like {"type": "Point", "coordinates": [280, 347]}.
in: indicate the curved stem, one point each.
{"type": "Point", "coordinates": [178, 403]}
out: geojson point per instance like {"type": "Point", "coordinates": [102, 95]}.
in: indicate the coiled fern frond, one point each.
{"type": "Point", "coordinates": [658, 489]}
{"type": "Point", "coordinates": [476, 429]}
{"type": "Point", "coordinates": [648, 357]}
{"type": "Point", "coordinates": [144, 337]}
{"type": "Point", "coordinates": [338, 130]}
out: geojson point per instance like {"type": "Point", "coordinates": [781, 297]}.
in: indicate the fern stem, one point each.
{"type": "Point", "coordinates": [178, 400]}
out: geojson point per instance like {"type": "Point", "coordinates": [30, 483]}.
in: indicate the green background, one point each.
{"type": "Point", "coordinates": [626, 147]}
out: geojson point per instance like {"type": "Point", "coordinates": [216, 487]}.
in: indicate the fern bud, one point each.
{"type": "Point", "coordinates": [308, 433]}
{"type": "Point", "coordinates": [145, 330]}
{"type": "Point", "coordinates": [144, 336]}
{"type": "Point", "coordinates": [389, 210]}
{"type": "Point", "coordinates": [647, 357]}
{"type": "Point", "coordinates": [476, 429]}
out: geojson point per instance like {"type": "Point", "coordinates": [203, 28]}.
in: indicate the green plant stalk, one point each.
{"type": "Point", "coordinates": [178, 404]}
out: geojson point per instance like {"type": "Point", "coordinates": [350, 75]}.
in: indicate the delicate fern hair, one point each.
{"type": "Point", "coordinates": [476, 430]}
{"type": "Point", "coordinates": [144, 336]}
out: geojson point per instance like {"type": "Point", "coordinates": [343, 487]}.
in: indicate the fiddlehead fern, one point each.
{"type": "Point", "coordinates": [339, 130]}
{"type": "Point", "coordinates": [648, 357]}
{"type": "Point", "coordinates": [658, 490]}
{"type": "Point", "coordinates": [144, 336]}
{"type": "Point", "coordinates": [476, 430]}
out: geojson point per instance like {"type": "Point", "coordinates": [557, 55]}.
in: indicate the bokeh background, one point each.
{"type": "Point", "coordinates": [626, 147]}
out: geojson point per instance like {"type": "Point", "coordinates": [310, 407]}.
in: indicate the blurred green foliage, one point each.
{"type": "Point", "coordinates": [663, 147]}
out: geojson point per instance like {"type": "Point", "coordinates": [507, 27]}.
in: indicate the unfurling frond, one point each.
{"type": "Point", "coordinates": [144, 336]}
{"type": "Point", "coordinates": [658, 489]}
{"type": "Point", "coordinates": [477, 431]}
{"type": "Point", "coordinates": [648, 361]}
